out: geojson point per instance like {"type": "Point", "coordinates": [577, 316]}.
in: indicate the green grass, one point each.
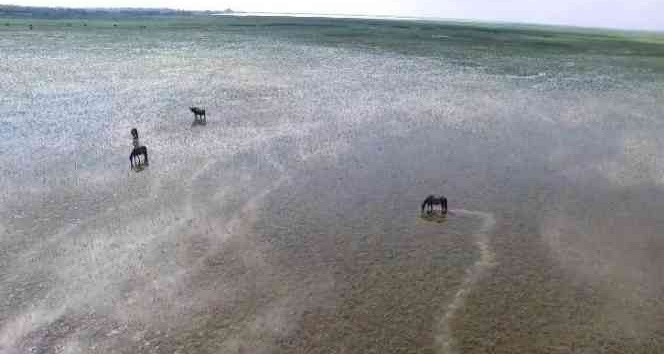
{"type": "Point", "coordinates": [497, 49]}
{"type": "Point", "coordinates": [391, 34]}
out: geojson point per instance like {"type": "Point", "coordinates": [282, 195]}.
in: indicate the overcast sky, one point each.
{"type": "Point", "coordinates": [643, 14]}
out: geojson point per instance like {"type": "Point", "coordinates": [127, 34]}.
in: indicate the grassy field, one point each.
{"type": "Point", "coordinates": [500, 48]}
{"type": "Point", "coordinates": [389, 34]}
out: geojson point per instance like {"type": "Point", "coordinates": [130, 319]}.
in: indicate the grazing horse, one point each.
{"type": "Point", "coordinates": [432, 200]}
{"type": "Point", "coordinates": [199, 115]}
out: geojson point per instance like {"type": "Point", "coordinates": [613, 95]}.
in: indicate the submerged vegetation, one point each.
{"type": "Point", "coordinates": [291, 221]}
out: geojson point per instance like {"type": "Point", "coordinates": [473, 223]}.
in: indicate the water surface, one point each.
{"type": "Point", "coordinates": [290, 223]}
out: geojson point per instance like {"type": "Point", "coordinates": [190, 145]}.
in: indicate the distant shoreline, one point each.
{"type": "Point", "coordinates": [425, 19]}
{"type": "Point", "coordinates": [322, 15]}
{"type": "Point", "coordinates": [7, 10]}
{"type": "Point", "coordinates": [62, 12]}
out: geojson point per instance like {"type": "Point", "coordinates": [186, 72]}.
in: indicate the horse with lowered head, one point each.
{"type": "Point", "coordinates": [431, 201]}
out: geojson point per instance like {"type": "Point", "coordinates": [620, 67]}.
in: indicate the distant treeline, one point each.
{"type": "Point", "coordinates": [61, 12]}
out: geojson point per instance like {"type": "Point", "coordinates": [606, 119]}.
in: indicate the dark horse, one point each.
{"type": "Point", "coordinates": [432, 200]}
{"type": "Point", "coordinates": [138, 151]}
{"type": "Point", "coordinates": [199, 115]}
{"type": "Point", "coordinates": [136, 156]}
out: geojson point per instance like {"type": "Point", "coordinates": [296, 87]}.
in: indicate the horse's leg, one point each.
{"type": "Point", "coordinates": [445, 205]}
{"type": "Point", "coordinates": [131, 159]}
{"type": "Point", "coordinates": [145, 153]}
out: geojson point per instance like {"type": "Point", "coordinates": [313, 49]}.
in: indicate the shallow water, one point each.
{"type": "Point", "coordinates": [290, 222]}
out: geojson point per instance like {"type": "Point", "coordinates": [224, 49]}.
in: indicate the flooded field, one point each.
{"type": "Point", "coordinates": [291, 221]}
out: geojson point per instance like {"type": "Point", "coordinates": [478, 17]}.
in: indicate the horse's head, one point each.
{"type": "Point", "coordinates": [134, 133]}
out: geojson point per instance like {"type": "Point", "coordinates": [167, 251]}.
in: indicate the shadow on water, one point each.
{"type": "Point", "coordinates": [434, 217]}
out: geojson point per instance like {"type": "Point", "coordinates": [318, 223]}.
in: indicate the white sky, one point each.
{"type": "Point", "coordinates": [638, 14]}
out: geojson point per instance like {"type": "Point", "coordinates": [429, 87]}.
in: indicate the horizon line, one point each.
{"type": "Point", "coordinates": [424, 18]}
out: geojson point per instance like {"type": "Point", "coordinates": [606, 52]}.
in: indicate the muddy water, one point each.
{"type": "Point", "coordinates": [290, 223]}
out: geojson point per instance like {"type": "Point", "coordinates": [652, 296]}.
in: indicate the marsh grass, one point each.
{"type": "Point", "coordinates": [498, 49]}
{"type": "Point", "coordinates": [508, 39]}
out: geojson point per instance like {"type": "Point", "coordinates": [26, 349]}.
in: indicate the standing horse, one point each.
{"type": "Point", "coordinates": [138, 151]}
{"type": "Point", "coordinates": [136, 155]}
{"type": "Point", "coordinates": [432, 200]}
{"type": "Point", "coordinates": [199, 115]}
